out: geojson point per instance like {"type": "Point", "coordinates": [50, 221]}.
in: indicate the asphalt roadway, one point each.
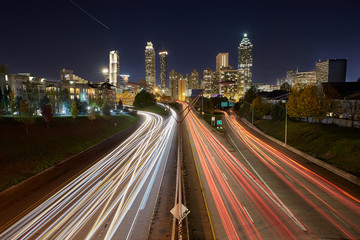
{"type": "Point", "coordinates": [256, 190]}
{"type": "Point", "coordinates": [113, 197]}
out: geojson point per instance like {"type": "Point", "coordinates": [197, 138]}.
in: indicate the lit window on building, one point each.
{"type": "Point", "coordinates": [71, 90]}
{"type": "Point", "coordinates": [78, 91]}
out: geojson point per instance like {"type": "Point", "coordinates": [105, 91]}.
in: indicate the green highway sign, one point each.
{"type": "Point", "coordinates": [224, 104]}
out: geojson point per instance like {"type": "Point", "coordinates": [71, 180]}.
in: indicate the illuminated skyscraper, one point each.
{"type": "Point", "coordinates": [150, 77]}
{"type": "Point", "coordinates": [194, 79]}
{"type": "Point", "coordinates": [114, 67]}
{"type": "Point", "coordinates": [222, 60]}
{"type": "Point", "coordinates": [245, 59]}
{"type": "Point", "coordinates": [206, 82]}
{"type": "Point", "coordinates": [181, 89]}
{"type": "Point", "coordinates": [163, 70]}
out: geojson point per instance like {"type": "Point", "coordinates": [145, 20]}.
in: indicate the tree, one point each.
{"type": "Point", "coordinates": [285, 87]}
{"type": "Point", "coordinates": [243, 108]}
{"type": "Point", "coordinates": [358, 79]}
{"type": "Point", "coordinates": [74, 111]}
{"type": "Point", "coordinates": [2, 110]}
{"type": "Point", "coordinates": [217, 101]}
{"type": "Point", "coordinates": [210, 106]}
{"type": "Point", "coordinates": [92, 115]}
{"type": "Point", "coordinates": [312, 101]}
{"type": "Point", "coordinates": [54, 100]}
{"type": "Point", "coordinates": [44, 100]}
{"type": "Point", "coordinates": [144, 99]}
{"type": "Point", "coordinates": [81, 106]}
{"type": "Point", "coordinates": [47, 114]}
{"type": "Point", "coordinates": [106, 107]}
{"type": "Point", "coordinates": [26, 115]}
{"type": "Point", "coordinates": [260, 108]}
{"type": "Point", "coordinates": [3, 102]}
{"type": "Point", "coordinates": [295, 103]}
{"type": "Point", "coordinates": [120, 105]}
{"type": "Point", "coordinates": [12, 101]}
{"type": "Point", "coordinates": [65, 100]}
{"type": "Point", "coordinates": [251, 94]}
{"type": "Point", "coordinates": [31, 95]}
{"type": "Point", "coordinates": [6, 99]}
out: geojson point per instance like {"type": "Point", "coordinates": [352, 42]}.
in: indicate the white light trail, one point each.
{"type": "Point", "coordinates": [105, 193]}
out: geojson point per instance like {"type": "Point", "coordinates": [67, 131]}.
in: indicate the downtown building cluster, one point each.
{"type": "Point", "coordinates": [225, 80]}
{"type": "Point", "coordinates": [326, 71]}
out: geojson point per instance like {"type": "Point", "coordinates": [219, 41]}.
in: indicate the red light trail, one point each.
{"type": "Point", "coordinates": [248, 207]}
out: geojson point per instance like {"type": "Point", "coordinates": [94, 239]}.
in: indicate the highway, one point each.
{"type": "Point", "coordinates": [254, 191]}
{"type": "Point", "coordinates": [114, 199]}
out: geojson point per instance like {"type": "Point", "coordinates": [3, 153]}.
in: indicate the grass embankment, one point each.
{"type": "Point", "coordinates": [155, 109]}
{"type": "Point", "coordinates": [22, 156]}
{"type": "Point", "coordinates": [335, 145]}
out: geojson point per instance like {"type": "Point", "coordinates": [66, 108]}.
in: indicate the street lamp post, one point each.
{"type": "Point", "coordinates": [285, 125]}
{"type": "Point", "coordinates": [252, 115]}
{"type": "Point", "coordinates": [202, 105]}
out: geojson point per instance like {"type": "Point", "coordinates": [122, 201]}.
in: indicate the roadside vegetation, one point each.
{"type": "Point", "coordinates": [23, 155]}
{"type": "Point", "coordinates": [155, 109]}
{"type": "Point", "coordinates": [338, 146]}
{"type": "Point", "coordinates": [146, 101]}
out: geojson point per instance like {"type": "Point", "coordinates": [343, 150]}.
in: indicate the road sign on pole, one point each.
{"type": "Point", "coordinates": [175, 212]}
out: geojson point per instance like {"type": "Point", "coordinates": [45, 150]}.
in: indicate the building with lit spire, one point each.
{"type": "Point", "coordinates": [150, 77]}
{"type": "Point", "coordinates": [163, 70]}
{"type": "Point", "coordinates": [245, 59]}
{"type": "Point", "coordinates": [114, 68]}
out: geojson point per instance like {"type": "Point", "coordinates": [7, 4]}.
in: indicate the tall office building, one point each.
{"type": "Point", "coordinates": [194, 79]}
{"type": "Point", "coordinates": [245, 59]}
{"type": "Point", "coordinates": [232, 84]}
{"type": "Point", "coordinates": [150, 77]}
{"type": "Point", "coordinates": [331, 70]}
{"type": "Point", "coordinates": [187, 80]}
{"type": "Point", "coordinates": [163, 70]}
{"type": "Point", "coordinates": [114, 68]}
{"type": "Point", "coordinates": [206, 82]}
{"type": "Point", "coordinates": [173, 79]}
{"type": "Point", "coordinates": [222, 60]}
{"type": "Point", "coordinates": [181, 89]}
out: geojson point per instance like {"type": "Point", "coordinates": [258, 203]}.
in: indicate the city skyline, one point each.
{"type": "Point", "coordinates": [284, 39]}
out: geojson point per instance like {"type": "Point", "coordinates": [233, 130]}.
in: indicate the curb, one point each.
{"type": "Point", "coordinates": [348, 176]}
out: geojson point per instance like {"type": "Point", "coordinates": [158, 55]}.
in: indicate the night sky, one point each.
{"type": "Point", "coordinates": [43, 37]}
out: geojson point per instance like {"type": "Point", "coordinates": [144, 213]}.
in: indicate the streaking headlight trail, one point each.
{"type": "Point", "coordinates": [95, 204]}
